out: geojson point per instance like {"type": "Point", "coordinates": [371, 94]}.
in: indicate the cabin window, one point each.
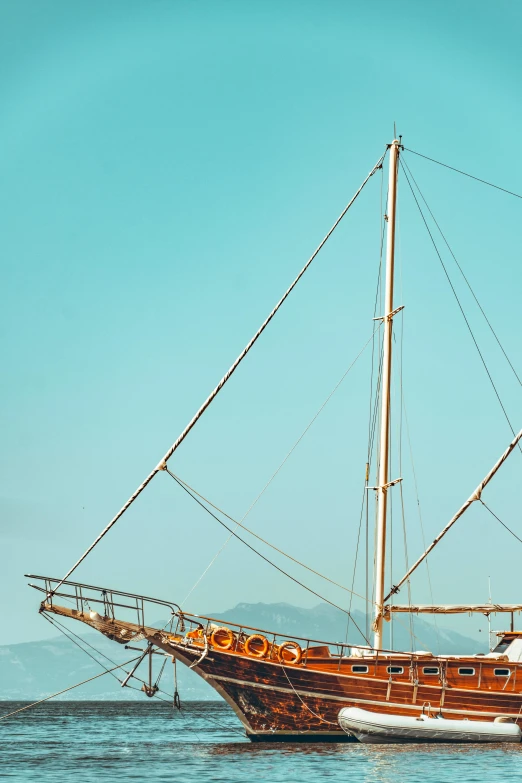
{"type": "Point", "coordinates": [502, 646]}
{"type": "Point", "coordinates": [430, 670]}
{"type": "Point", "coordinates": [395, 670]}
{"type": "Point", "coordinates": [467, 672]}
{"type": "Point", "coordinates": [502, 672]}
{"type": "Point", "coordinates": [360, 669]}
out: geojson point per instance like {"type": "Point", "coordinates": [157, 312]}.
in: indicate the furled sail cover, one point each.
{"type": "Point", "coordinates": [452, 609]}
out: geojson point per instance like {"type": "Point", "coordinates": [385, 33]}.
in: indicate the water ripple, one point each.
{"type": "Point", "coordinates": [134, 741]}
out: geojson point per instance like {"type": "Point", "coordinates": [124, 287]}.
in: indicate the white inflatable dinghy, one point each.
{"type": "Point", "coordinates": [374, 727]}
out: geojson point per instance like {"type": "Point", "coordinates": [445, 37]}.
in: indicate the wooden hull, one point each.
{"type": "Point", "coordinates": [301, 703]}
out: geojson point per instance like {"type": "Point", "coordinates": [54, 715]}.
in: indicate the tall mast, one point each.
{"type": "Point", "coordinates": [383, 483]}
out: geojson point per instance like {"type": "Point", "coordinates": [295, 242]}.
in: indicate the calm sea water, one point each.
{"type": "Point", "coordinates": [101, 742]}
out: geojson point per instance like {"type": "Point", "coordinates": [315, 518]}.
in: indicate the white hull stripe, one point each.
{"type": "Point", "coordinates": [345, 699]}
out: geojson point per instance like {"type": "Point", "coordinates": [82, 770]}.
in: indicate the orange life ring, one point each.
{"type": "Point", "coordinates": [257, 652]}
{"type": "Point", "coordinates": [217, 640]}
{"type": "Point", "coordinates": [292, 648]}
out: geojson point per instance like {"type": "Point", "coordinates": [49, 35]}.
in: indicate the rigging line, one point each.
{"type": "Point", "coordinates": [462, 510]}
{"type": "Point", "coordinates": [459, 304]}
{"type": "Point", "coordinates": [170, 703]}
{"type": "Point", "coordinates": [263, 557]}
{"type": "Point", "coordinates": [376, 402]}
{"type": "Point", "coordinates": [401, 429]}
{"type": "Point", "coordinates": [375, 444]}
{"type": "Point", "coordinates": [84, 682]}
{"type": "Point", "coordinates": [222, 382]}
{"type": "Point", "coordinates": [365, 493]}
{"type": "Point", "coordinates": [325, 403]}
{"type": "Point", "coordinates": [382, 229]}
{"type": "Point", "coordinates": [66, 631]}
{"type": "Point", "coordinates": [499, 520]}
{"type": "Point", "coordinates": [419, 511]}
{"type": "Point", "coordinates": [259, 538]}
{"type": "Point", "coordinates": [420, 641]}
{"type": "Point", "coordinates": [305, 705]}
{"type": "Point", "coordinates": [484, 182]}
{"type": "Point", "coordinates": [207, 569]}
{"type": "Point", "coordinates": [377, 288]}
{"type": "Point", "coordinates": [203, 717]}
{"type": "Point", "coordinates": [406, 560]}
{"type": "Point", "coordinates": [464, 276]}
{"type": "Point", "coordinates": [239, 524]}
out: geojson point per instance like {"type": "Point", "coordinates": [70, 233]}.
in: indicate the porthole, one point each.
{"type": "Point", "coordinates": [395, 670]}
{"type": "Point", "coordinates": [502, 672]}
{"type": "Point", "coordinates": [467, 672]}
{"type": "Point", "coordinates": [360, 669]}
{"type": "Point", "coordinates": [430, 670]}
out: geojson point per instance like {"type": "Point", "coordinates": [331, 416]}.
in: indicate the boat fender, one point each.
{"type": "Point", "coordinates": [222, 638]}
{"type": "Point", "coordinates": [294, 650]}
{"type": "Point", "coordinates": [257, 651]}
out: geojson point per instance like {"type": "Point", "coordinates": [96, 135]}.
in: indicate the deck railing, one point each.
{"type": "Point", "coordinates": [114, 602]}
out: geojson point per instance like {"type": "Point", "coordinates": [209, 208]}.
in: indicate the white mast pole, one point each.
{"type": "Point", "coordinates": [380, 554]}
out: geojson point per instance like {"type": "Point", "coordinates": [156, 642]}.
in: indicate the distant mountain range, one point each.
{"type": "Point", "coordinates": [33, 670]}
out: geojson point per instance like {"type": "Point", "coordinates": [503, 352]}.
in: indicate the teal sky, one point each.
{"type": "Point", "coordinates": [166, 168]}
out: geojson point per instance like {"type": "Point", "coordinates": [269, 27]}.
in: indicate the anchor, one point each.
{"type": "Point", "coordinates": [151, 688]}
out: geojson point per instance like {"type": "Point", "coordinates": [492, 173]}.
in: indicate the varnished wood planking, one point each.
{"type": "Point", "coordinates": [305, 699]}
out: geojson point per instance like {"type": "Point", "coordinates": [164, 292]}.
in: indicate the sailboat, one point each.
{"type": "Point", "coordinates": [286, 688]}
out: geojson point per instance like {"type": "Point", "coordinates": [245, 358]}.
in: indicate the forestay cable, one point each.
{"type": "Point", "coordinates": [255, 535]}
{"type": "Point", "coordinates": [261, 555]}
{"type": "Point", "coordinates": [161, 465]}
{"type": "Point", "coordinates": [272, 477]}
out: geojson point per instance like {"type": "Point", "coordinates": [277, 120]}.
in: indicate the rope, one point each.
{"type": "Point", "coordinates": [259, 554]}
{"type": "Point", "coordinates": [203, 717]}
{"type": "Point", "coordinates": [160, 466]}
{"type": "Point", "coordinates": [484, 182]}
{"type": "Point", "coordinates": [175, 701]}
{"type": "Point", "coordinates": [364, 497]}
{"type": "Point", "coordinates": [248, 530]}
{"type": "Point", "coordinates": [401, 492]}
{"type": "Point", "coordinates": [499, 520]}
{"type": "Point", "coordinates": [259, 538]}
{"type": "Point", "coordinates": [458, 302]}
{"type": "Point", "coordinates": [421, 524]}
{"type": "Point", "coordinates": [323, 720]}
{"type": "Point", "coordinates": [65, 633]}
{"type": "Point", "coordinates": [68, 633]}
{"type": "Point", "coordinates": [464, 276]}
{"type": "Point", "coordinates": [327, 400]}
{"type": "Point", "coordinates": [364, 503]}
{"type": "Point", "coordinates": [59, 693]}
